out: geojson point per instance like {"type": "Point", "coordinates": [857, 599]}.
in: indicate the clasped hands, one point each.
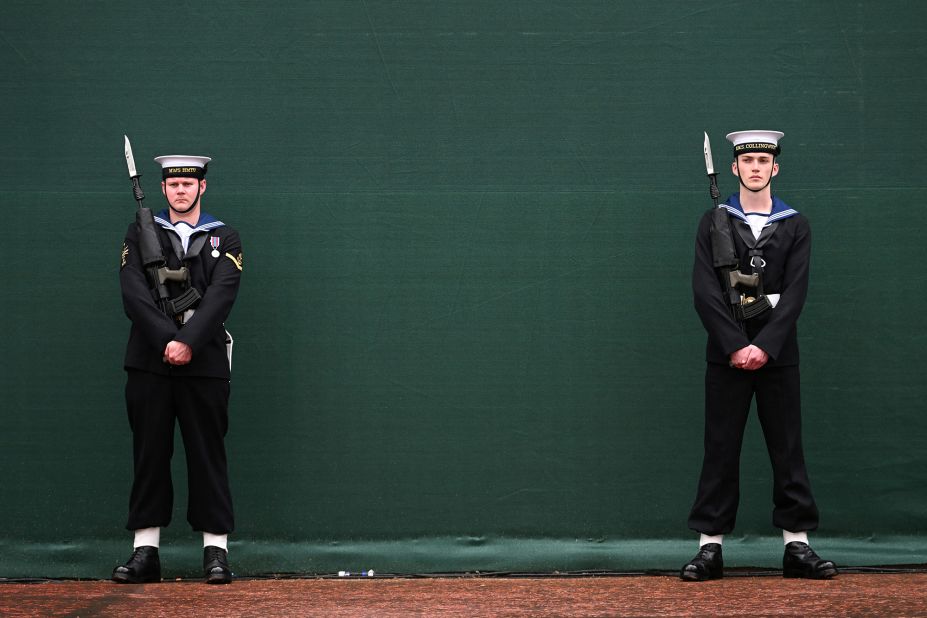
{"type": "Point", "coordinates": [749, 358]}
{"type": "Point", "coordinates": [177, 353]}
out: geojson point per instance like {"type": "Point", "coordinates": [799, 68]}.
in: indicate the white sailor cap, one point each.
{"type": "Point", "coordinates": [183, 165]}
{"type": "Point", "coordinates": [755, 141]}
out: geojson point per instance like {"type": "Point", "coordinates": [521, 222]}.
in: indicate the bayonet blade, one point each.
{"type": "Point", "coordinates": [130, 160]}
{"type": "Point", "coordinates": [709, 164]}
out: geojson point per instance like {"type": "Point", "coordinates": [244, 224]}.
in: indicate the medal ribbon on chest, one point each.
{"type": "Point", "coordinates": [214, 242]}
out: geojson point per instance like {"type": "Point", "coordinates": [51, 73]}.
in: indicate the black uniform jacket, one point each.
{"type": "Point", "coordinates": [787, 254]}
{"type": "Point", "coordinates": [215, 278]}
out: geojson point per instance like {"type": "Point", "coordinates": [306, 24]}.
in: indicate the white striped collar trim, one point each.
{"type": "Point", "coordinates": [167, 225]}
{"type": "Point", "coordinates": [734, 211]}
{"type": "Point", "coordinates": [782, 214]}
{"type": "Point", "coordinates": [777, 216]}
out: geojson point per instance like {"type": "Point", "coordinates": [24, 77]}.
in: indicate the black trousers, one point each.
{"type": "Point", "coordinates": [200, 407]}
{"type": "Point", "coordinates": [728, 393]}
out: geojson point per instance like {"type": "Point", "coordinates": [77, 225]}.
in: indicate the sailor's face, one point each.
{"type": "Point", "coordinates": [181, 192]}
{"type": "Point", "coordinates": [755, 169]}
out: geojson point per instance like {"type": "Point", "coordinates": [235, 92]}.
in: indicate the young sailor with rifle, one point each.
{"type": "Point", "coordinates": [179, 273]}
{"type": "Point", "coordinates": [758, 249]}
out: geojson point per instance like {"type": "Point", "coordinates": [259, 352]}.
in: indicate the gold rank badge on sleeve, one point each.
{"type": "Point", "coordinates": [237, 261]}
{"type": "Point", "coordinates": [125, 254]}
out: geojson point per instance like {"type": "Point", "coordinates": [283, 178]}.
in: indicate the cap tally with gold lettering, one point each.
{"type": "Point", "coordinates": [186, 166]}
{"type": "Point", "coordinates": [755, 141]}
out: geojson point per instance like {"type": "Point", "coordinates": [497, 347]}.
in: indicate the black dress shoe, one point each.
{"type": "Point", "coordinates": [216, 565]}
{"type": "Point", "coordinates": [800, 560]}
{"type": "Point", "coordinates": [142, 568]}
{"type": "Point", "coordinates": [707, 564]}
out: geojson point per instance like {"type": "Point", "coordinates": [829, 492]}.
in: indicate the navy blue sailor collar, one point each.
{"type": "Point", "coordinates": [206, 222]}
{"type": "Point", "coordinates": [780, 210]}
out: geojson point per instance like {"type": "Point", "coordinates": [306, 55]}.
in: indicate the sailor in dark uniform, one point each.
{"type": "Point", "coordinates": [178, 370]}
{"type": "Point", "coordinates": [754, 357]}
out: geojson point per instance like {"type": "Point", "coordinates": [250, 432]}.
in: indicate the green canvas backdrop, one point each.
{"type": "Point", "coordinates": [464, 338]}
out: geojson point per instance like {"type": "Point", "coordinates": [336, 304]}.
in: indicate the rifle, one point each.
{"type": "Point", "coordinates": [152, 255]}
{"type": "Point", "coordinates": [724, 257]}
